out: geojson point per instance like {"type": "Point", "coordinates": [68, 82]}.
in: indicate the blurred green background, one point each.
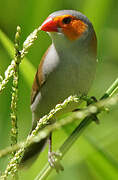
{"type": "Point", "coordinates": [95, 155]}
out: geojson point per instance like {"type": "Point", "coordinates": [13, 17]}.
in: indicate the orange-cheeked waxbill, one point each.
{"type": "Point", "coordinates": [67, 68]}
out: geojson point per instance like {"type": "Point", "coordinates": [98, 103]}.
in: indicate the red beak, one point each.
{"type": "Point", "coordinates": [49, 25]}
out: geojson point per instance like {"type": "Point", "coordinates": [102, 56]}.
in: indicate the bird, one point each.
{"type": "Point", "coordinates": [67, 68]}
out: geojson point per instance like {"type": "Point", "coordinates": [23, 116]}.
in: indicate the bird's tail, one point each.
{"type": "Point", "coordinates": [32, 151]}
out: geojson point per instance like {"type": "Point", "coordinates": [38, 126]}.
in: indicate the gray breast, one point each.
{"type": "Point", "coordinates": [65, 75]}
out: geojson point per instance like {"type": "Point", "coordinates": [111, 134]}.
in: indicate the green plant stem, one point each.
{"type": "Point", "coordinates": [14, 129]}
{"type": "Point", "coordinates": [26, 45]}
{"type": "Point", "coordinates": [91, 109]}
{"type": "Point", "coordinates": [13, 164]}
{"type": "Point", "coordinates": [8, 75]}
{"type": "Point", "coordinates": [75, 134]}
{"type": "Point", "coordinates": [13, 70]}
{"type": "Point", "coordinates": [65, 147]}
{"type": "Point", "coordinates": [111, 90]}
{"type": "Point", "coordinates": [10, 149]}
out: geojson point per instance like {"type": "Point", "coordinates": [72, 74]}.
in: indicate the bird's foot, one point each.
{"type": "Point", "coordinates": [94, 116]}
{"type": "Point", "coordinates": [54, 161]}
{"type": "Point", "coordinates": [95, 119]}
{"type": "Point", "coordinates": [91, 100]}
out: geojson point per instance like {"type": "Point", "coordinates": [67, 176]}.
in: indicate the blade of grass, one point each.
{"type": "Point", "coordinates": [100, 160]}
{"type": "Point", "coordinates": [101, 150]}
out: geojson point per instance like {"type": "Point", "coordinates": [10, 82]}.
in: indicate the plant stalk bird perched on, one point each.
{"type": "Point", "coordinates": [67, 68]}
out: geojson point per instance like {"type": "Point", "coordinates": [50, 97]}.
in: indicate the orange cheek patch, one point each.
{"type": "Point", "coordinates": [75, 29]}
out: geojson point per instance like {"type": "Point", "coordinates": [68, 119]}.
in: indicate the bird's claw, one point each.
{"type": "Point", "coordinates": [94, 116]}
{"type": "Point", "coordinates": [95, 119]}
{"type": "Point", "coordinates": [53, 159]}
{"type": "Point", "coordinates": [91, 100]}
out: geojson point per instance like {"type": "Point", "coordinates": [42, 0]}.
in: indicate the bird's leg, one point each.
{"type": "Point", "coordinates": [50, 143]}
{"type": "Point", "coordinates": [53, 157]}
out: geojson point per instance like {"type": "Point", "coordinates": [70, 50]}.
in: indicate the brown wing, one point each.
{"type": "Point", "coordinates": [39, 79]}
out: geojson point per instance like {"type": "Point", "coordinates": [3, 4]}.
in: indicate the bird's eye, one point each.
{"type": "Point", "coordinates": [66, 20]}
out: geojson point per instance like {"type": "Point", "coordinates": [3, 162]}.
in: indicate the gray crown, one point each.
{"type": "Point", "coordinates": [77, 14]}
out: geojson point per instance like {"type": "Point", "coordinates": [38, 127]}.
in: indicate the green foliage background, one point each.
{"type": "Point", "coordinates": [94, 156]}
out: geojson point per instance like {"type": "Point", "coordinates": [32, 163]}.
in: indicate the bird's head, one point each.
{"type": "Point", "coordinates": [70, 23]}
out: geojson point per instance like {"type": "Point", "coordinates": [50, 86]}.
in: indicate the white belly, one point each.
{"type": "Point", "coordinates": [65, 76]}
